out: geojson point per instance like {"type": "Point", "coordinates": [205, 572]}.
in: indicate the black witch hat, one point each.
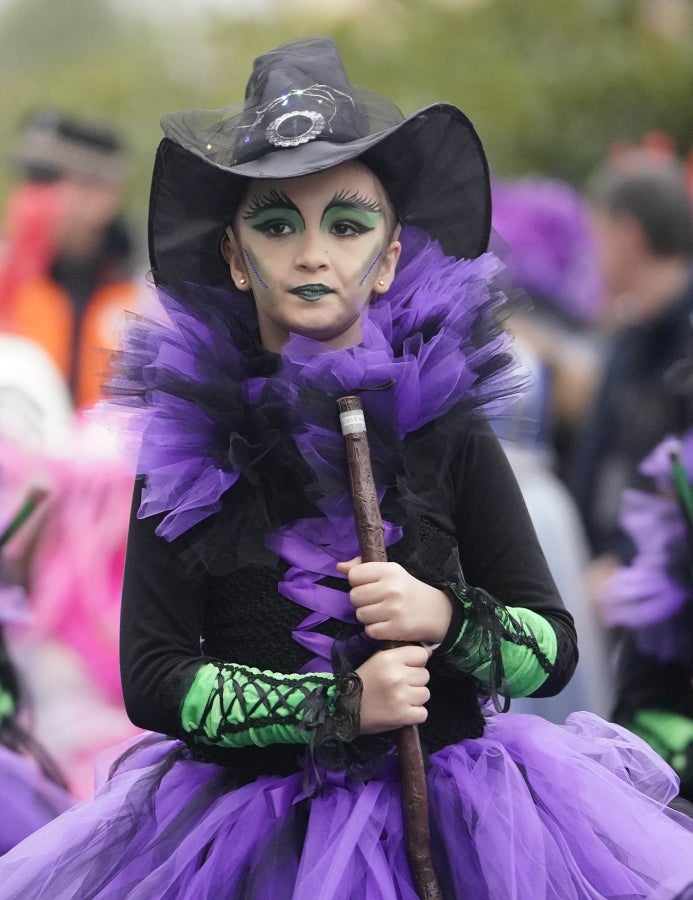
{"type": "Point", "coordinates": [302, 115]}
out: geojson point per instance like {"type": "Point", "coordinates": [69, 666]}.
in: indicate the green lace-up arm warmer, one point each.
{"type": "Point", "coordinates": [236, 706]}
{"type": "Point", "coordinates": [509, 650]}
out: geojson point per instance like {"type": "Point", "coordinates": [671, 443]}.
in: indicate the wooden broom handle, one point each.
{"type": "Point", "coordinates": [369, 527]}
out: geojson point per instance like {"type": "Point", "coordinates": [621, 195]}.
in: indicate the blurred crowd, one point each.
{"type": "Point", "coordinates": [602, 444]}
{"type": "Point", "coordinates": [600, 286]}
{"type": "Point", "coordinates": [70, 268]}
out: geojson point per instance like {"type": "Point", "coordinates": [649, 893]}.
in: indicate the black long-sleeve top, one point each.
{"type": "Point", "coordinates": [470, 522]}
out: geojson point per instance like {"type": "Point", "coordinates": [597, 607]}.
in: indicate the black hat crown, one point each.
{"type": "Point", "coordinates": [299, 93]}
{"type": "Point", "coordinates": [296, 94]}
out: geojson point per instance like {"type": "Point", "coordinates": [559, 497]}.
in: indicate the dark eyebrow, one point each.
{"type": "Point", "coordinates": [273, 199]}
{"type": "Point", "coordinates": [355, 201]}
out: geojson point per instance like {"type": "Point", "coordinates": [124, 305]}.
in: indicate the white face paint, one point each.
{"type": "Point", "coordinates": [313, 250]}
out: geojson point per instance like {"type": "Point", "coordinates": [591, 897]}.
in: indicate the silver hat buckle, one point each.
{"type": "Point", "coordinates": [314, 125]}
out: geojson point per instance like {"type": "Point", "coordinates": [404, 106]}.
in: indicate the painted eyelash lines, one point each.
{"type": "Point", "coordinates": [358, 201]}
{"type": "Point", "coordinates": [273, 199]}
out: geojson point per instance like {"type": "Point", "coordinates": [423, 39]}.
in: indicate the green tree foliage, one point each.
{"type": "Point", "coordinates": [549, 85]}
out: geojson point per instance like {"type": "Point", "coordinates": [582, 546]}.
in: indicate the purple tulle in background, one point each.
{"type": "Point", "coordinates": [652, 595]}
{"type": "Point", "coordinates": [551, 248]}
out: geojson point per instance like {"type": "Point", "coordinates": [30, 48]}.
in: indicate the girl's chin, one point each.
{"type": "Point", "coordinates": [316, 324]}
{"type": "Point", "coordinates": [335, 335]}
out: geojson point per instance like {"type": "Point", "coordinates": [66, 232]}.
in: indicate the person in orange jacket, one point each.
{"type": "Point", "coordinates": [66, 276]}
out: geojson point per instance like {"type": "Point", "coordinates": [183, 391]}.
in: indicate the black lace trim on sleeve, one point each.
{"type": "Point", "coordinates": [335, 723]}
{"type": "Point", "coordinates": [336, 743]}
{"type": "Point", "coordinates": [479, 625]}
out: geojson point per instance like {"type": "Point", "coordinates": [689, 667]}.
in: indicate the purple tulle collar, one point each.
{"type": "Point", "coordinates": [227, 428]}
{"type": "Point", "coordinates": [194, 385]}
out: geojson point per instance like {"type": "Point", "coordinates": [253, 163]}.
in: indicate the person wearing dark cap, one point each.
{"type": "Point", "coordinates": [307, 244]}
{"type": "Point", "coordinates": [67, 272]}
{"type": "Point", "coordinates": [642, 219]}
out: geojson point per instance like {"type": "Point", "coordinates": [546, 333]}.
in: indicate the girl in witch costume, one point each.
{"type": "Point", "coordinates": [305, 245]}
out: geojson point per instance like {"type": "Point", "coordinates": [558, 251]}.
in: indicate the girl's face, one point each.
{"type": "Point", "coordinates": [312, 250]}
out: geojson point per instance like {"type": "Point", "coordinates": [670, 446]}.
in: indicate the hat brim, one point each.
{"type": "Point", "coordinates": [432, 164]}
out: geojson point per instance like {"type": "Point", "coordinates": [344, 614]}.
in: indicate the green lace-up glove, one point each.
{"type": "Point", "coordinates": [510, 651]}
{"type": "Point", "coordinates": [236, 706]}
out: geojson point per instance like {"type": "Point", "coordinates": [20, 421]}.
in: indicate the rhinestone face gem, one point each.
{"type": "Point", "coordinates": [293, 128]}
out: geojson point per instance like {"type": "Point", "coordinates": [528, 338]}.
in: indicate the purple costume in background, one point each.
{"type": "Point", "coordinates": [649, 603]}
{"type": "Point", "coordinates": [29, 796]}
{"type": "Point", "coordinates": [652, 596]}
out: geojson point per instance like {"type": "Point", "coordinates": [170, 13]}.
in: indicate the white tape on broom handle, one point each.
{"type": "Point", "coordinates": [352, 421]}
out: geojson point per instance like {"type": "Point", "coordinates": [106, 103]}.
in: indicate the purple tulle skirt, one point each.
{"type": "Point", "coordinates": [28, 799]}
{"type": "Point", "coordinates": [530, 811]}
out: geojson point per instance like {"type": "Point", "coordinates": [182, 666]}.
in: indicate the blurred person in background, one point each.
{"type": "Point", "coordinates": [70, 557]}
{"type": "Point", "coordinates": [66, 268]}
{"type": "Point", "coordinates": [542, 230]}
{"type": "Point", "coordinates": [551, 259]}
{"type": "Point", "coordinates": [32, 788]}
{"type": "Point", "coordinates": [35, 404]}
{"type": "Point", "coordinates": [643, 221]}
{"type": "Point", "coordinates": [561, 535]}
{"type": "Point", "coordinates": [649, 603]}
{"type": "Point", "coordinates": [65, 281]}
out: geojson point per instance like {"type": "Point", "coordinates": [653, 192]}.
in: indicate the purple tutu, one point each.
{"type": "Point", "coordinates": [531, 810]}
{"type": "Point", "coordinates": [29, 798]}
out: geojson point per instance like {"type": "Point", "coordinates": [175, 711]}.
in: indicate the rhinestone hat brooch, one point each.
{"type": "Point", "coordinates": [299, 126]}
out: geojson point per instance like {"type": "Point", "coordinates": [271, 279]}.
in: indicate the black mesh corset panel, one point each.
{"type": "Point", "coordinates": [249, 622]}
